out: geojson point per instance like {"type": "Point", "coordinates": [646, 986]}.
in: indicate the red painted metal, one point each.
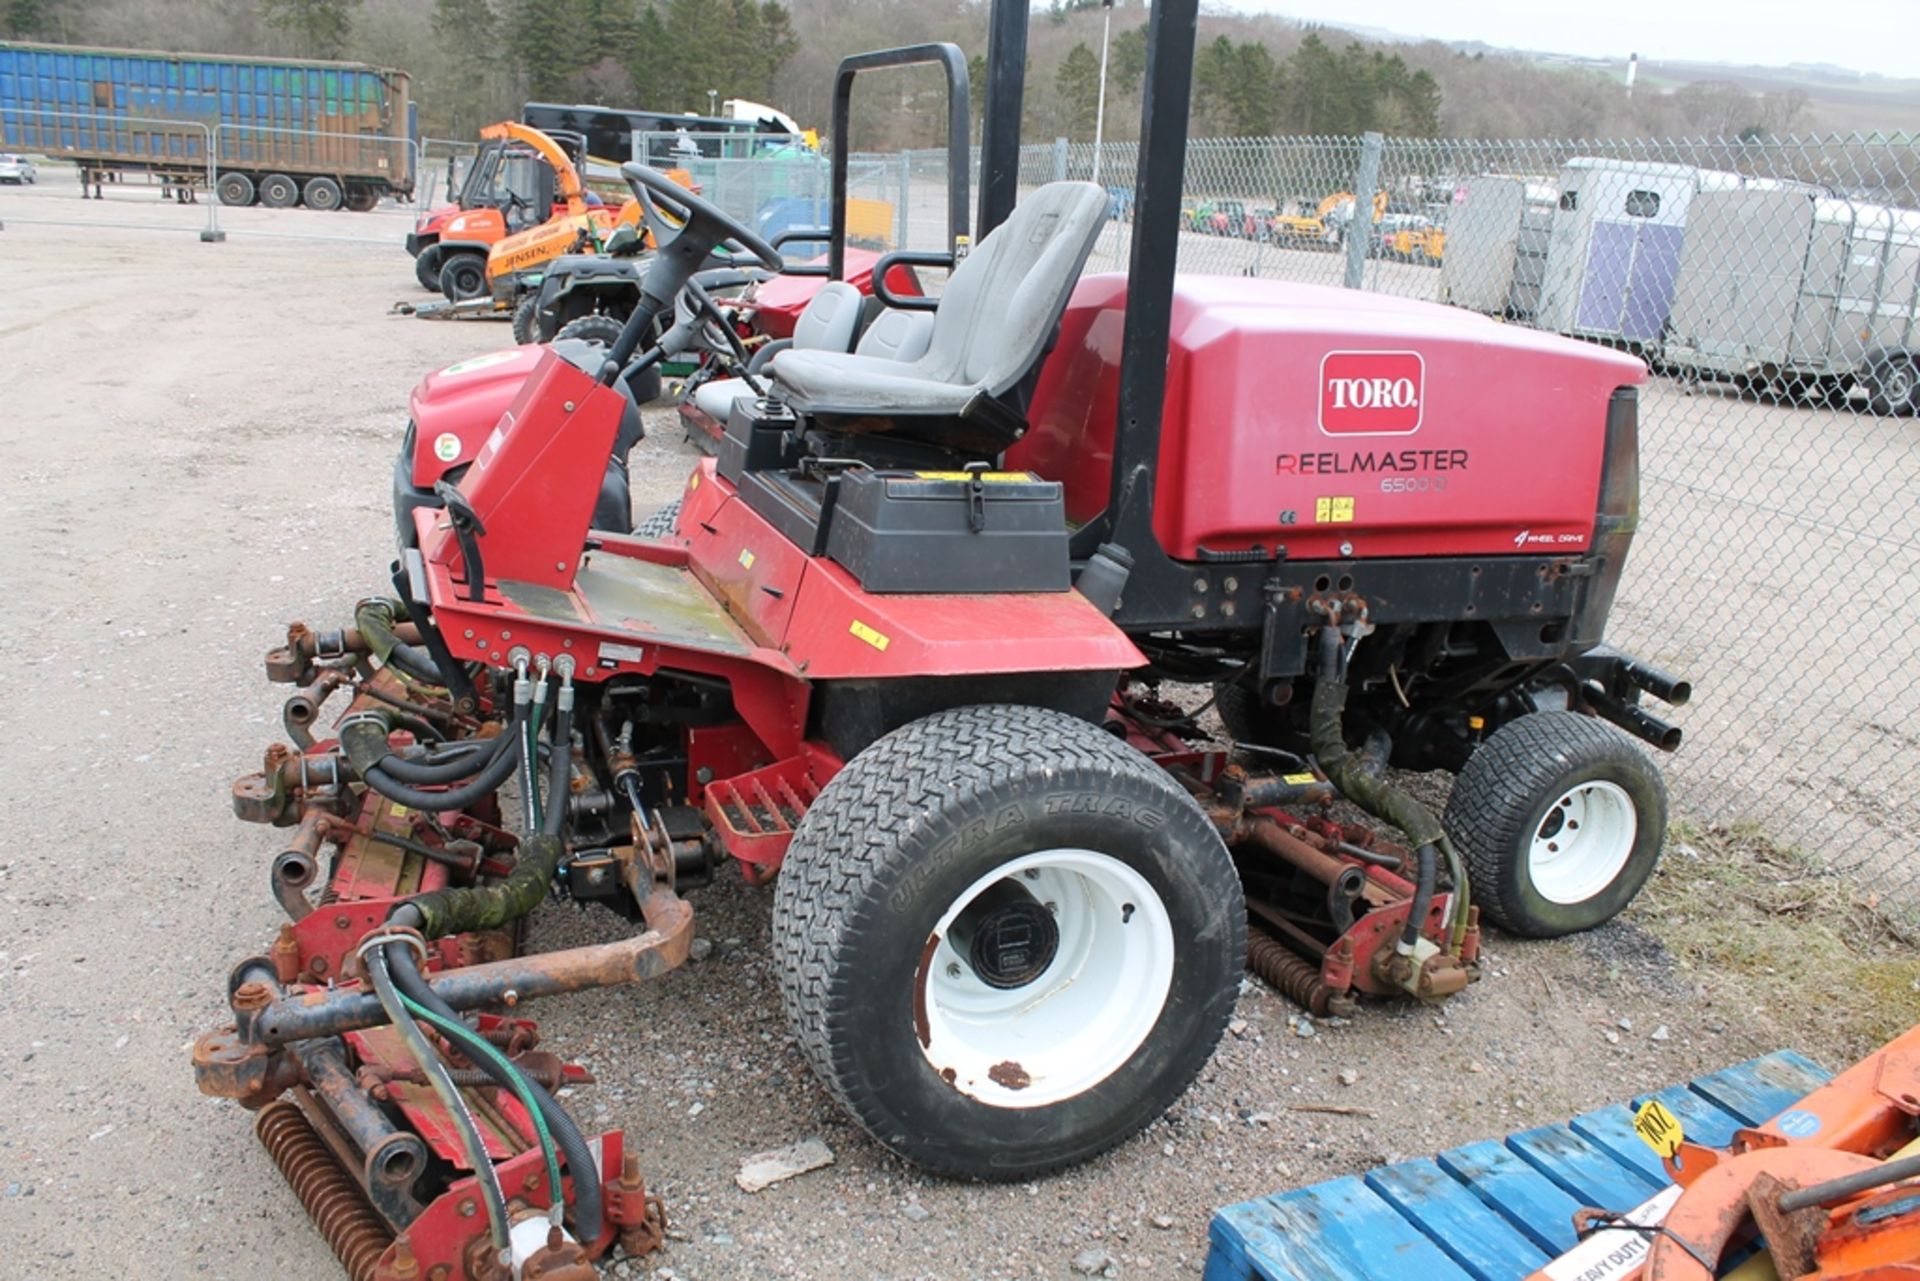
{"type": "Point", "coordinates": [779, 302]}
{"type": "Point", "coordinates": [1246, 457]}
{"type": "Point", "coordinates": [534, 482]}
{"type": "Point", "coordinates": [454, 409]}
{"type": "Point", "coordinates": [755, 813]}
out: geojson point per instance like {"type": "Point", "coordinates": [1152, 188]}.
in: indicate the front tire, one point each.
{"type": "Point", "coordinates": [463, 276]}
{"type": "Point", "coordinates": [1006, 941]}
{"type": "Point", "coordinates": [526, 320]}
{"type": "Point", "coordinates": [1560, 819]}
{"type": "Point", "coordinates": [426, 269]}
{"type": "Point", "coordinates": [1893, 386]}
{"type": "Point", "coordinates": [604, 330]}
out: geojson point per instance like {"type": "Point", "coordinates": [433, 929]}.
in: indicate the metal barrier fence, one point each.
{"type": "Point", "coordinates": [1772, 288]}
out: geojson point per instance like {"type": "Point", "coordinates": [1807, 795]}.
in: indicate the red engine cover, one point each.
{"type": "Point", "coordinates": [454, 408]}
{"type": "Point", "coordinates": [779, 302]}
{"type": "Point", "coordinates": [1325, 418]}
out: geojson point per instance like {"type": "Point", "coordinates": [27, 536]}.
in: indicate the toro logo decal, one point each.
{"type": "Point", "coordinates": [1371, 393]}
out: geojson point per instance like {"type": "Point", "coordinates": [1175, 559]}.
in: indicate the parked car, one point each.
{"type": "Point", "coordinates": [1222, 218]}
{"type": "Point", "coordinates": [15, 169]}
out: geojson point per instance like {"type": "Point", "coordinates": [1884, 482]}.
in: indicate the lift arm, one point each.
{"type": "Point", "coordinates": [566, 177]}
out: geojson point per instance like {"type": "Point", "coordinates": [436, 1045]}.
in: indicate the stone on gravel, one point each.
{"type": "Point", "coordinates": [1660, 1033]}
{"type": "Point", "coordinates": [1163, 1221]}
{"type": "Point", "coordinates": [916, 1212]}
{"type": "Point", "coordinates": [1348, 1076]}
{"type": "Point", "coordinates": [764, 1169]}
{"type": "Point", "coordinates": [701, 950]}
{"type": "Point", "coordinates": [1094, 1263]}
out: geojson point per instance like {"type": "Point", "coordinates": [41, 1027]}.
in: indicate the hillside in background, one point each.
{"type": "Point", "coordinates": [475, 60]}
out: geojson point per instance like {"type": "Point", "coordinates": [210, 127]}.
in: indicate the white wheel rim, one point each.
{"type": "Point", "coordinates": [1081, 1017]}
{"type": "Point", "coordinates": [1582, 841]}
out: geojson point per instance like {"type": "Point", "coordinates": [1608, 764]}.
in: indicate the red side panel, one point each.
{"type": "Point", "coordinates": [1328, 419]}
{"type": "Point", "coordinates": [815, 613]}
{"type": "Point", "coordinates": [534, 483]}
{"type": "Point", "coordinates": [454, 408]}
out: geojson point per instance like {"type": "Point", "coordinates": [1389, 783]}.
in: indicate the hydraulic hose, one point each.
{"type": "Point", "coordinates": [461, 761]}
{"type": "Point", "coordinates": [1348, 772]}
{"type": "Point", "coordinates": [560, 763]}
{"type": "Point", "coordinates": [484, 784]}
{"type": "Point", "coordinates": [449, 1094]}
{"type": "Point", "coordinates": [588, 1206]}
{"type": "Point", "coordinates": [375, 619]}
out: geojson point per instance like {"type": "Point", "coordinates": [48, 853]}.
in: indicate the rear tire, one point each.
{"type": "Point", "coordinates": [661, 524]}
{"type": "Point", "coordinates": [1560, 819]}
{"type": "Point", "coordinates": [463, 276]}
{"type": "Point", "coordinates": [277, 191]}
{"type": "Point", "coordinates": [322, 193]}
{"type": "Point", "coordinates": [526, 319]}
{"type": "Point", "coordinates": [235, 189]}
{"type": "Point", "coordinates": [1006, 941]}
{"type": "Point", "coordinates": [362, 199]}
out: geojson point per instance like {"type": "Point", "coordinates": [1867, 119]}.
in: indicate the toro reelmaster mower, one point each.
{"type": "Point", "coordinates": [909, 650]}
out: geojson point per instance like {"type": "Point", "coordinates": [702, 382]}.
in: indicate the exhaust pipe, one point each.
{"type": "Point", "coordinates": [1637, 721]}
{"type": "Point", "coordinates": [1664, 686]}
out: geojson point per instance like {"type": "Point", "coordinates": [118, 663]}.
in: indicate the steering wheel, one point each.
{"type": "Point", "coordinates": [679, 251]}
{"type": "Point", "coordinates": [713, 319]}
{"type": "Point", "coordinates": [693, 218]}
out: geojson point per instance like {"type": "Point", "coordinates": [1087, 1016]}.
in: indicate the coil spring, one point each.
{"type": "Point", "coordinates": [1296, 979]}
{"type": "Point", "coordinates": [333, 1200]}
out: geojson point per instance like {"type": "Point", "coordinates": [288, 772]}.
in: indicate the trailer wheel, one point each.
{"type": "Point", "coordinates": [1893, 385]}
{"type": "Point", "coordinates": [277, 191]}
{"type": "Point", "coordinates": [661, 524]}
{"type": "Point", "coordinates": [463, 276]}
{"type": "Point", "coordinates": [1560, 819]}
{"type": "Point", "coordinates": [1006, 941]}
{"type": "Point", "coordinates": [526, 320]}
{"type": "Point", "coordinates": [234, 189]}
{"type": "Point", "coordinates": [322, 193]}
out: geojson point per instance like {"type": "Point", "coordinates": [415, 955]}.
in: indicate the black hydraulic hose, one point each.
{"type": "Point", "coordinates": [1348, 771]}
{"type": "Point", "coordinates": [486, 783]}
{"type": "Point", "coordinates": [379, 966]}
{"type": "Point", "coordinates": [375, 620]}
{"type": "Point", "coordinates": [1422, 895]}
{"type": "Point", "coordinates": [462, 761]}
{"type": "Point", "coordinates": [587, 1201]}
{"type": "Point", "coordinates": [560, 765]}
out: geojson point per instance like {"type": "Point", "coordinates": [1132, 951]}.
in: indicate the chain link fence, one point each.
{"type": "Point", "coordinates": [1772, 289]}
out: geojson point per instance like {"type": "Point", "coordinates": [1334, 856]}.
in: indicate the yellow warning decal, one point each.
{"type": "Point", "coordinates": [746, 559]}
{"type": "Point", "coordinates": [879, 640]}
{"type": "Point", "coordinates": [986, 477]}
{"type": "Point", "coordinates": [1333, 511]}
{"type": "Point", "coordinates": [1658, 1128]}
{"type": "Point", "coordinates": [1299, 780]}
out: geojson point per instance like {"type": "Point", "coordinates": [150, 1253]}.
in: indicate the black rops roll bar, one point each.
{"type": "Point", "coordinates": [959, 119]}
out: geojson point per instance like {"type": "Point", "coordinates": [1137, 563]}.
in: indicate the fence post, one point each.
{"type": "Point", "coordinates": [1360, 226]}
{"type": "Point", "coordinates": [900, 214]}
{"type": "Point", "coordinates": [211, 233]}
{"type": "Point", "coordinates": [1059, 159]}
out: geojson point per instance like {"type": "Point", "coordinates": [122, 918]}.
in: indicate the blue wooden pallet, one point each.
{"type": "Point", "coordinates": [1490, 1211]}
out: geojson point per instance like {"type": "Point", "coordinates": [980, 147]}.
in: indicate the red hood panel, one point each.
{"type": "Point", "coordinates": [454, 408]}
{"type": "Point", "coordinates": [1327, 419]}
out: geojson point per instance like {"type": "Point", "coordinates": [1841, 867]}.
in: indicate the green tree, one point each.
{"type": "Point", "coordinates": [1078, 84]}
{"type": "Point", "coordinates": [1127, 60]}
{"type": "Point", "coordinates": [468, 34]}
{"type": "Point", "coordinates": [550, 41]}
{"type": "Point", "coordinates": [321, 26]}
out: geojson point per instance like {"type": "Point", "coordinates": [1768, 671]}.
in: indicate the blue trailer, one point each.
{"type": "Point", "coordinates": [326, 134]}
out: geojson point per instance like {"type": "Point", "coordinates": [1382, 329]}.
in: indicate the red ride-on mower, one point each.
{"type": "Point", "coordinates": [907, 648]}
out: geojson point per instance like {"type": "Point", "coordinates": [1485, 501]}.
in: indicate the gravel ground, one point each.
{"type": "Point", "coordinates": [195, 451]}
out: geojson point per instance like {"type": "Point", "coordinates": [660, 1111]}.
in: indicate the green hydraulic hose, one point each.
{"type": "Point", "coordinates": [477, 1047]}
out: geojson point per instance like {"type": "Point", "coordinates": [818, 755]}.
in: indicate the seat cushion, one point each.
{"type": "Point", "coordinates": [715, 399]}
{"type": "Point", "coordinates": [897, 335]}
{"type": "Point", "coordinates": [1000, 307]}
{"type": "Point", "coordinates": [829, 321]}
{"type": "Point", "coordinates": [838, 382]}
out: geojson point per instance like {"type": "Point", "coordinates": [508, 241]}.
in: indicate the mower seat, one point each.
{"type": "Point", "coordinates": [996, 318]}
{"type": "Point", "coordinates": [829, 323]}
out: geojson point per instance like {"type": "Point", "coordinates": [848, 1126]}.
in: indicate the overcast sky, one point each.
{"type": "Point", "coordinates": [1867, 35]}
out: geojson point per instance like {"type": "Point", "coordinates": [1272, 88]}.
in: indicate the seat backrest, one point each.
{"type": "Point", "coordinates": [1003, 301]}
{"type": "Point", "coordinates": [897, 335]}
{"type": "Point", "coordinates": [829, 320]}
